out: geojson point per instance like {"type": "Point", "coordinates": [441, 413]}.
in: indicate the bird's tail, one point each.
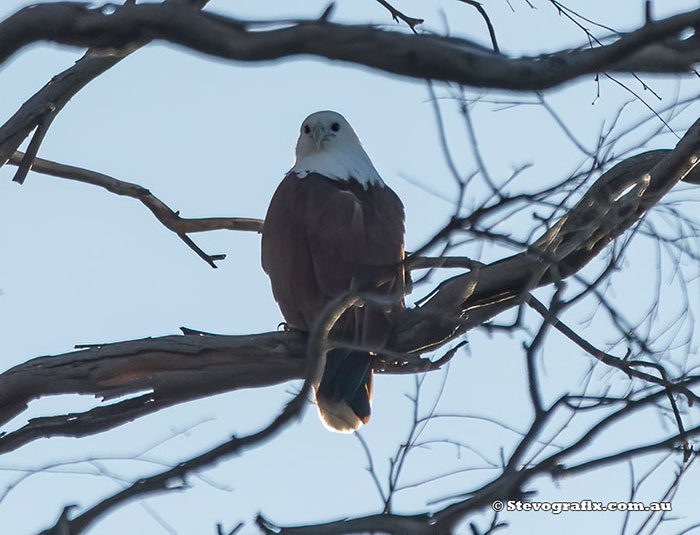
{"type": "Point", "coordinates": [344, 396]}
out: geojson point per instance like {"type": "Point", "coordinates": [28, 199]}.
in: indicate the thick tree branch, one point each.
{"type": "Point", "coordinates": [602, 215]}
{"type": "Point", "coordinates": [174, 369]}
{"type": "Point", "coordinates": [318, 345]}
{"type": "Point", "coordinates": [158, 373]}
{"type": "Point", "coordinates": [171, 369]}
{"type": "Point", "coordinates": [391, 524]}
{"type": "Point", "coordinates": [654, 47]}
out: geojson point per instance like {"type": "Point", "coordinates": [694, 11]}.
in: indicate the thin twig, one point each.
{"type": "Point", "coordinates": [398, 16]}
{"type": "Point", "coordinates": [169, 218]}
{"type": "Point", "coordinates": [485, 16]}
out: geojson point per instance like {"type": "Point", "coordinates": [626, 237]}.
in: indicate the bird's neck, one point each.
{"type": "Point", "coordinates": [339, 165]}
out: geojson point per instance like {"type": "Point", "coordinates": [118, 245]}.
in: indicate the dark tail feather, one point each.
{"type": "Point", "coordinates": [345, 394]}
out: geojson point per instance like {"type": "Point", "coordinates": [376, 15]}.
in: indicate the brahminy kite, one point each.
{"type": "Point", "coordinates": [333, 227]}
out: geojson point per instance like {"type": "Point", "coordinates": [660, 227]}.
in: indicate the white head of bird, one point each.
{"type": "Point", "coordinates": [328, 145]}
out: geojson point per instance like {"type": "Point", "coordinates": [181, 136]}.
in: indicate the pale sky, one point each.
{"type": "Point", "coordinates": [214, 138]}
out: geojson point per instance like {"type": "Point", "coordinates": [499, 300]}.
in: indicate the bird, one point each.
{"type": "Point", "coordinates": [333, 227]}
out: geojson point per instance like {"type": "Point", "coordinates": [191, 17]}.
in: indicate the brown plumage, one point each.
{"type": "Point", "coordinates": [324, 237]}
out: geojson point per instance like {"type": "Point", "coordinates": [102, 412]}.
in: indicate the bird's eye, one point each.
{"type": "Point", "coordinates": [335, 127]}
{"type": "Point", "coordinates": [307, 130]}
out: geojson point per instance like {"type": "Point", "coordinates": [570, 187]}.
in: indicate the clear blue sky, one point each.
{"type": "Point", "coordinates": [213, 138]}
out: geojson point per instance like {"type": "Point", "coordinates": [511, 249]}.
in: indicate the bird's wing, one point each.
{"type": "Point", "coordinates": [355, 234]}
{"type": "Point", "coordinates": [286, 257]}
{"type": "Point", "coordinates": [355, 237]}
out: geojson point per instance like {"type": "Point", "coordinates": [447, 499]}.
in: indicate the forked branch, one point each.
{"type": "Point", "coordinates": [163, 213]}
{"type": "Point", "coordinates": [175, 369]}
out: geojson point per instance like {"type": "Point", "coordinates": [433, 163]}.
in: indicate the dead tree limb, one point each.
{"type": "Point", "coordinates": [508, 485]}
{"type": "Point", "coordinates": [163, 213]}
{"type": "Point", "coordinates": [175, 369]}
{"type": "Point", "coordinates": [43, 107]}
{"type": "Point", "coordinates": [655, 47]}
{"type": "Point", "coordinates": [161, 372]}
{"type": "Point", "coordinates": [318, 345]}
{"type": "Point", "coordinates": [397, 15]}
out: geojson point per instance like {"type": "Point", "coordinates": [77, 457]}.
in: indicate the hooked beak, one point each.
{"type": "Point", "coordinates": [318, 133]}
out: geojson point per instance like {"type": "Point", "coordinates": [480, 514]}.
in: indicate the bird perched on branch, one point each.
{"type": "Point", "coordinates": [333, 228]}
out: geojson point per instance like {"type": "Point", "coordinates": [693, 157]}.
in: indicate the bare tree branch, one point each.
{"type": "Point", "coordinates": [317, 347]}
{"type": "Point", "coordinates": [602, 215]}
{"type": "Point", "coordinates": [165, 367]}
{"type": "Point", "coordinates": [170, 219]}
{"type": "Point", "coordinates": [397, 15]}
{"type": "Point", "coordinates": [139, 377]}
{"type": "Point", "coordinates": [654, 47]}
{"type": "Point", "coordinates": [629, 367]}
{"type": "Point", "coordinates": [41, 109]}
{"type": "Point", "coordinates": [492, 32]}
{"type": "Point", "coordinates": [506, 486]}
